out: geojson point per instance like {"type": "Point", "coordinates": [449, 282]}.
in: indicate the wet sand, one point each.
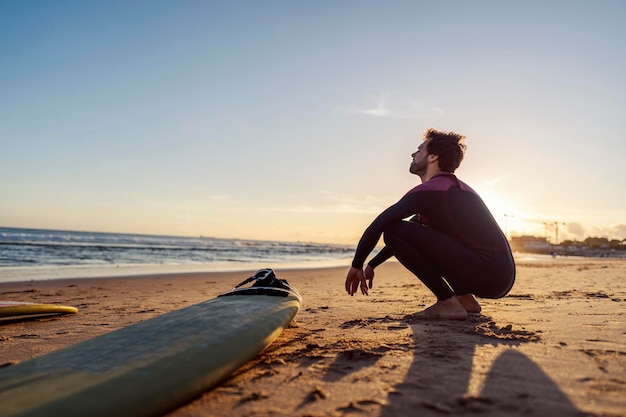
{"type": "Point", "coordinates": [556, 345]}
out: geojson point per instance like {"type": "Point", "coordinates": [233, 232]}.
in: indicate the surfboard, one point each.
{"type": "Point", "coordinates": [18, 308]}
{"type": "Point", "coordinates": [154, 366]}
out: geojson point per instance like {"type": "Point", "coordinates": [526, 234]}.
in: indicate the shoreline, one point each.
{"type": "Point", "coordinates": [554, 346]}
{"type": "Point", "coordinates": [47, 273]}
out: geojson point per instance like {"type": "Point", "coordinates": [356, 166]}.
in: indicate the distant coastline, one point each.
{"type": "Point", "coordinates": [589, 248]}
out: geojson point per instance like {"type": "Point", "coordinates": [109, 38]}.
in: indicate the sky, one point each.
{"type": "Point", "coordinates": [296, 120]}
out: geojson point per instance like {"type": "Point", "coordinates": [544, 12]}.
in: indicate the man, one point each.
{"type": "Point", "coordinates": [452, 243]}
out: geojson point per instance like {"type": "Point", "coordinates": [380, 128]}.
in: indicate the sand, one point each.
{"type": "Point", "coordinates": [555, 346]}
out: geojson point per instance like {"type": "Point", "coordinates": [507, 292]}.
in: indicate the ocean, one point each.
{"type": "Point", "coordinates": [34, 254]}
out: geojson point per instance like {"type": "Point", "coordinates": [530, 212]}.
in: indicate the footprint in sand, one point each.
{"type": "Point", "coordinates": [491, 330]}
{"type": "Point", "coordinates": [521, 296]}
{"type": "Point", "coordinates": [370, 321]}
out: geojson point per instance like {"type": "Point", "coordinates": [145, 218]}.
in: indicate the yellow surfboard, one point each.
{"type": "Point", "coordinates": [152, 367]}
{"type": "Point", "coordinates": [18, 308]}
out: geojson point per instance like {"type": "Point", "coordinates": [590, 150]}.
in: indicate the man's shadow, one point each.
{"type": "Point", "coordinates": [443, 379]}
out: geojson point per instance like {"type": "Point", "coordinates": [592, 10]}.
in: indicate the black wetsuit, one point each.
{"type": "Point", "coordinates": [452, 243]}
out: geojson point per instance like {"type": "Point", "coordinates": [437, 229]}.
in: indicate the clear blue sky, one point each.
{"type": "Point", "coordinates": [295, 120]}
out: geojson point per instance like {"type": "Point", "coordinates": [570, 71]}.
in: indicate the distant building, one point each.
{"type": "Point", "coordinates": [530, 244]}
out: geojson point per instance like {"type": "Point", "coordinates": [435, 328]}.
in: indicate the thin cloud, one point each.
{"type": "Point", "coordinates": [617, 231]}
{"type": "Point", "coordinates": [326, 209]}
{"type": "Point", "coordinates": [576, 229]}
{"type": "Point", "coordinates": [336, 204]}
{"type": "Point", "coordinates": [395, 106]}
{"type": "Point", "coordinates": [313, 209]}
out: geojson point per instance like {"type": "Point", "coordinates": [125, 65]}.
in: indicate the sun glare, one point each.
{"type": "Point", "coordinates": [510, 220]}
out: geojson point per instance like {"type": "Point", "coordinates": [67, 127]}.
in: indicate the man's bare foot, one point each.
{"type": "Point", "coordinates": [450, 309]}
{"type": "Point", "coordinates": [469, 303]}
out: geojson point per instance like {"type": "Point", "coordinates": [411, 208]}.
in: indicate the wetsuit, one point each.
{"type": "Point", "coordinates": [452, 243]}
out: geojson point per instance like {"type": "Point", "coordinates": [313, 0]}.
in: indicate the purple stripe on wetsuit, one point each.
{"type": "Point", "coordinates": [441, 181]}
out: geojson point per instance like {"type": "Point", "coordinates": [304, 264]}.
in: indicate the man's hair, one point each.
{"type": "Point", "coordinates": [446, 145]}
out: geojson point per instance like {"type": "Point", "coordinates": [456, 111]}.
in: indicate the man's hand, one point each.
{"type": "Point", "coordinates": [369, 275]}
{"type": "Point", "coordinates": [356, 278]}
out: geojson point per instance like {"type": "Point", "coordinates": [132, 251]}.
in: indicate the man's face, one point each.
{"type": "Point", "coordinates": [419, 163]}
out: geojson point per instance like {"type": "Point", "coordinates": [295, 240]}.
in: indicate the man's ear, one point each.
{"type": "Point", "coordinates": [432, 157]}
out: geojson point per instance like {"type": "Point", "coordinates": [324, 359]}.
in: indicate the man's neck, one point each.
{"type": "Point", "coordinates": [429, 174]}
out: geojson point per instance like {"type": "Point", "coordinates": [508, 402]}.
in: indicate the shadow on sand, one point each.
{"type": "Point", "coordinates": [502, 381]}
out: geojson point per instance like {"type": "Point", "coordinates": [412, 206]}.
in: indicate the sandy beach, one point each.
{"type": "Point", "coordinates": [555, 346]}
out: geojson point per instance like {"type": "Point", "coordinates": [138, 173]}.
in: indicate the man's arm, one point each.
{"type": "Point", "coordinates": [401, 210]}
{"type": "Point", "coordinates": [385, 252]}
{"type": "Point", "coordinates": [382, 256]}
